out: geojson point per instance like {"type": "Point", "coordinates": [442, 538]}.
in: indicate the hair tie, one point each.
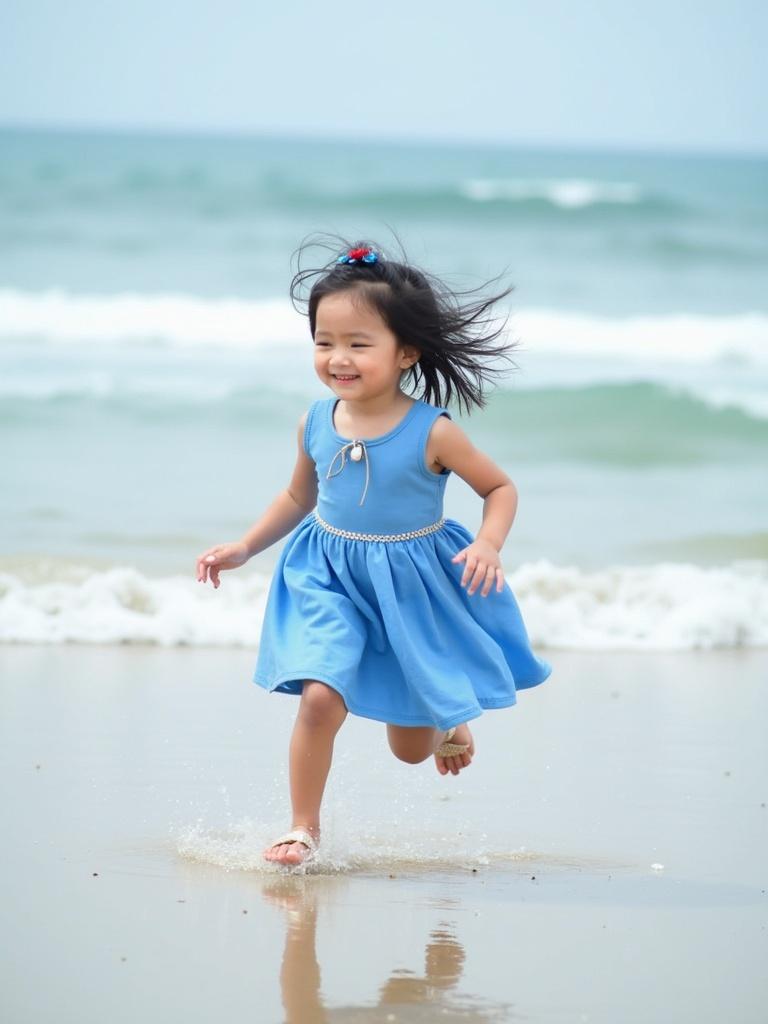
{"type": "Point", "coordinates": [358, 255]}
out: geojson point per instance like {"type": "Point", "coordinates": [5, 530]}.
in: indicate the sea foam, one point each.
{"type": "Point", "coordinates": [566, 193]}
{"type": "Point", "coordinates": [667, 606]}
{"type": "Point", "coordinates": [61, 317]}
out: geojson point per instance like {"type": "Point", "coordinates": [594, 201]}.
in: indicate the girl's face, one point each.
{"type": "Point", "coordinates": [356, 354]}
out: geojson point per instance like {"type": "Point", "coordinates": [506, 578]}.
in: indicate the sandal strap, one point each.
{"type": "Point", "coordinates": [297, 835]}
{"type": "Point", "coordinates": [451, 749]}
{"type": "Point", "coordinates": [447, 749]}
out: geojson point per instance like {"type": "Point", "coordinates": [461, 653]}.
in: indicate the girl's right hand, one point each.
{"type": "Point", "coordinates": [223, 556]}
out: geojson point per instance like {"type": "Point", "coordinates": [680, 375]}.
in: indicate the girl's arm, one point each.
{"type": "Point", "coordinates": [455, 451]}
{"type": "Point", "coordinates": [286, 512]}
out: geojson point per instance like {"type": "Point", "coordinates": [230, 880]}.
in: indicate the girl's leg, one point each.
{"type": "Point", "coordinates": [415, 744]}
{"type": "Point", "coordinates": [321, 714]}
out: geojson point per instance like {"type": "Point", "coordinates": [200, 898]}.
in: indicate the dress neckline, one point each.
{"type": "Point", "coordinates": [333, 402]}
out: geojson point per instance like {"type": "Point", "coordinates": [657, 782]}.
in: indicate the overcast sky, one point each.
{"type": "Point", "coordinates": [665, 74]}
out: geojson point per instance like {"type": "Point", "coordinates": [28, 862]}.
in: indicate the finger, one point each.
{"type": "Point", "coordinates": [215, 575]}
{"type": "Point", "coordinates": [478, 577]}
{"type": "Point", "coordinates": [469, 570]}
{"type": "Point", "coordinates": [490, 575]}
{"type": "Point", "coordinates": [209, 565]}
{"type": "Point", "coordinates": [457, 557]}
{"type": "Point", "coordinates": [499, 580]}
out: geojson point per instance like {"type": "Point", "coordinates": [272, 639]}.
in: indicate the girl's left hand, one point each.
{"type": "Point", "coordinates": [483, 565]}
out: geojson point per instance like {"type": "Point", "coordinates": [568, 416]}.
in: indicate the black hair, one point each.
{"type": "Point", "coordinates": [452, 329]}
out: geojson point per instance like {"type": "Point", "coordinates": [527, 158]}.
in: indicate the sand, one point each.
{"type": "Point", "coordinates": [604, 859]}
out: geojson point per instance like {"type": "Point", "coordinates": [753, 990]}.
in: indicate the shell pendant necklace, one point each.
{"type": "Point", "coordinates": [357, 450]}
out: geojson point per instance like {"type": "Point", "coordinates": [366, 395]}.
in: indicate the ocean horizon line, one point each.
{"type": "Point", "coordinates": [527, 146]}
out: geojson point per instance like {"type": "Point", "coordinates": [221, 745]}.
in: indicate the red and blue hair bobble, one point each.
{"type": "Point", "coordinates": [358, 256]}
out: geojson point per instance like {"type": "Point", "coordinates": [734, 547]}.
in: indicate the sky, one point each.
{"type": "Point", "coordinates": [674, 75]}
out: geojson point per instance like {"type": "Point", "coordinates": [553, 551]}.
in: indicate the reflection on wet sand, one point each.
{"type": "Point", "coordinates": [405, 997]}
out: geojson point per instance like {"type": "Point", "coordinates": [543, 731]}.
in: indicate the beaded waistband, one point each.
{"type": "Point", "coordinates": [351, 535]}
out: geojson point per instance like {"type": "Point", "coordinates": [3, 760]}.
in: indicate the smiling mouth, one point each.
{"type": "Point", "coordinates": [345, 376]}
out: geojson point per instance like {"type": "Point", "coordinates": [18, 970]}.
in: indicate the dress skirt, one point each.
{"type": "Point", "coordinates": [388, 625]}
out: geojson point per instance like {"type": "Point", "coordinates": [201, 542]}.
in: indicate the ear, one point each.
{"type": "Point", "coordinates": [408, 356]}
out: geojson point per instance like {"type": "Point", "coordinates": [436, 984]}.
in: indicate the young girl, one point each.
{"type": "Point", "coordinates": [379, 605]}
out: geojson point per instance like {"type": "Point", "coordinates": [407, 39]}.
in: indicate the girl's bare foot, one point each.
{"type": "Point", "coordinates": [455, 763]}
{"type": "Point", "coordinates": [294, 851]}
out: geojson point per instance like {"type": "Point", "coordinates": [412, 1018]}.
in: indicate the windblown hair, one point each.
{"type": "Point", "coordinates": [453, 330]}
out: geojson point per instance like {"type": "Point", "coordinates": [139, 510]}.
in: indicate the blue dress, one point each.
{"type": "Point", "coordinates": [366, 599]}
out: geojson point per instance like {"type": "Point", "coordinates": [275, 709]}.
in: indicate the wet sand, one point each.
{"type": "Point", "coordinates": [605, 857]}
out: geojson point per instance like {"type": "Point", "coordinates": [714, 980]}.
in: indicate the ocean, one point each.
{"type": "Point", "coordinates": [153, 370]}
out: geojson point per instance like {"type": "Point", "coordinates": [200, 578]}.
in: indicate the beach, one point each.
{"type": "Point", "coordinates": [603, 858]}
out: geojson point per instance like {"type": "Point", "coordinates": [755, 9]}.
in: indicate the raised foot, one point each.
{"type": "Point", "coordinates": [295, 847]}
{"type": "Point", "coordinates": [456, 760]}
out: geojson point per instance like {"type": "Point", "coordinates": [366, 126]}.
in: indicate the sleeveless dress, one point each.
{"type": "Point", "coordinates": [366, 599]}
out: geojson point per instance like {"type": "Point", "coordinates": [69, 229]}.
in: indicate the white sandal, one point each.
{"type": "Point", "coordinates": [298, 835]}
{"type": "Point", "coordinates": [448, 749]}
